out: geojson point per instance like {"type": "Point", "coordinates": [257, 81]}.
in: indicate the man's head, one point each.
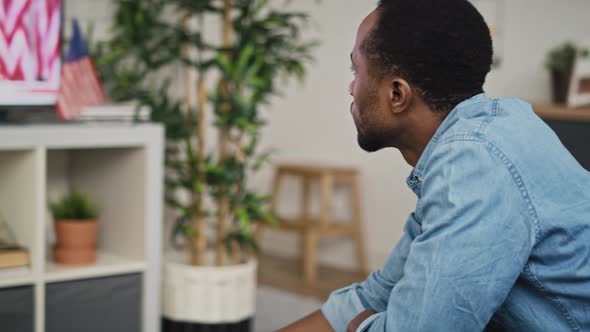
{"type": "Point", "coordinates": [412, 55]}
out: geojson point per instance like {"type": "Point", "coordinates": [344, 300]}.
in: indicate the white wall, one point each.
{"type": "Point", "coordinates": [95, 13]}
{"type": "Point", "coordinates": [532, 27]}
{"type": "Point", "coordinates": [312, 122]}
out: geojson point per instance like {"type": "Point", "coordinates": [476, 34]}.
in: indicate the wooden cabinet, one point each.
{"type": "Point", "coordinates": [573, 128]}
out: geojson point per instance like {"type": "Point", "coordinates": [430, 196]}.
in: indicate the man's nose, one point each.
{"type": "Point", "coordinates": [350, 87]}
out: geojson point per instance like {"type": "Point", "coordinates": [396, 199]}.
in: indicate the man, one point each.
{"type": "Point", "coordinates": [500, 236]}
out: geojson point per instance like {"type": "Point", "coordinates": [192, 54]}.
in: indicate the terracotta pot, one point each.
{"type": "Point", "coordinates": [74, 256]}
{"type": "Point", "coordinates": [76, 242]}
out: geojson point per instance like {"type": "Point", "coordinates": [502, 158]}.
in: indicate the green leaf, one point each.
{"type": "Point", "coordinates": [245, 224]}
{"type": "Point", "coordinates": [190, 231]}
{"type": "Point", "coordinates": [175, 203]}
{"type": "Point", "coordinates": [244, 59]}
{"type": "Point", "coordinates": [74, 206]}
{"type": "Point", "coordinates": [262, 159]}
{"type": "Point", "coordinates": [224, 64]}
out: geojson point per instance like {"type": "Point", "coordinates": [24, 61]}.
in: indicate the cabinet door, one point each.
{"type": "Point", "coordinates": [95, 305]}
{"type": "Point", "coordinates": [575, 137]}
{"type": "Point", "coordinates": [17, 309]}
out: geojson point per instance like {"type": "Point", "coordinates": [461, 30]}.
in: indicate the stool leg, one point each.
{"type": "Point", "coordinates": [308, 238]}
{"type": "Point", "coordinates": [276, 189]}
{"type": "Point", "coordinates": [310, 245]}
{"type": "Point", "coordinates": [274, 201]}
{"type": "Point", "coordinates": [304, 217]}
{"type": "Point", "coordinates": [326, 191]}
{"type": "Point", "coordinates": [359, 235]}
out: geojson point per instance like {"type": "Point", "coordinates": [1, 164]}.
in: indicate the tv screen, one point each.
{"type": "Point", "coordinates": [30, 64]}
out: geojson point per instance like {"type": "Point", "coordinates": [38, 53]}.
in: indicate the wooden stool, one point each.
{"type": "Point", "coordinates": [311, 230]}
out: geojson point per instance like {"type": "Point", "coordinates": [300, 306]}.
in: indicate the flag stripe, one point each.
{"type": "Point", "coordinates": [80, 87]}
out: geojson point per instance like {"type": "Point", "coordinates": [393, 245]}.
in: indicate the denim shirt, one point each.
{"type": "Point", "coordinates": [500, 235]}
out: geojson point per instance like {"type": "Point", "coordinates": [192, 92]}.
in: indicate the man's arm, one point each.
{"type": "Point", "coordinates": [344, 305]}
{"type": "Point", "coordinates": [316, 322]}
{"type": "Point", "coordinates": [372, 294]}
{"type": "Point", "coordinates": [477, 234]}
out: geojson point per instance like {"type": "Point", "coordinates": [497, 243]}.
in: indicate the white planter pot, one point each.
{"type": "Point", "coordinates": [209, 294]}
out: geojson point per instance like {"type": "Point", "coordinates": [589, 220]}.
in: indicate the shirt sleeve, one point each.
{"type": "Point", "coordinates": [373, 293]}
{"type": "Point", "coordinates": [477, 235]}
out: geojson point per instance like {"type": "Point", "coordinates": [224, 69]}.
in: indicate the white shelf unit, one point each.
{"type": "Point", "coordinates": [106, 265]}
{"type": "Point", "coordinates": [17, 281]}
{"type": "Point", "coordinates": [121, 167]}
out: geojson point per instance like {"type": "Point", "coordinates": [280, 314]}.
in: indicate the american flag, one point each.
{"type": "Point", "coordinates": [79, 85]}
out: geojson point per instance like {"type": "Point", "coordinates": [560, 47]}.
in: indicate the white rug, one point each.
{"type": "Point", "coordinates": [276, 308]}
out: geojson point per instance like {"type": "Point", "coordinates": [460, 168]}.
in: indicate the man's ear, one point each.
{"type": "Point", "coordinates": [401, 95]}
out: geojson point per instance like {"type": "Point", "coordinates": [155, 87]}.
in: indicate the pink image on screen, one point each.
{"type": "Point", "coordinates": [30, 40]}
{"type": "Point", "coordinates": [47, 28]}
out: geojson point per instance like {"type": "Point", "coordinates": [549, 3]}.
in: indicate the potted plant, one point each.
{"type": "Point", "coordinates": [223, 86]}
{"type": "Point", "coordinates": [76, 229]}
{"type": "Point", "coordinates": [560, 62]}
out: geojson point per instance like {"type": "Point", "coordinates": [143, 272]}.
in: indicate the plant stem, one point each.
{"type": "Point", "coordinates": [239, 187]}
{"type": "Point", "coordinates": [185, 73]}
{"type": "Point", "coordinates": [221, 257]}
{"type": "Point", "coordinates": [200, 242]}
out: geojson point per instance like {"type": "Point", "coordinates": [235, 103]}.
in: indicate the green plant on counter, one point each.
{"type": "Point", "coordinates": [224, 83]}
{"type": "Point", "coordinates": [75, 206]}
{"type": "Point", "coordinates": [561, 58]}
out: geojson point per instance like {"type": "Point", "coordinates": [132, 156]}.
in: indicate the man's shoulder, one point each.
{"type": "Point", "coordinates": [504, 125]}
{"type": "Point", "coordinates": [484, 130]}
{"type": "Point", "coordinates": [481, 118]}
{"type": "Point", "coordinates": [487, 133]}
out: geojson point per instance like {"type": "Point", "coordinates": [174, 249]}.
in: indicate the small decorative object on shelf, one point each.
{"type": "Point", "coordinates": [79, 85]}
{"type": "Point", "coordinates": [560, 62]}
{"type": "Point", "coordinates": [76, 229]}
{"type": "Point", "coordinates": [7, 238]}
{"type": "Point", "coordinates": [579, 92]}
{"type": "Point", "coordinates": [14, 259]}
{"type": "Point", "coordinates": [115, 113]}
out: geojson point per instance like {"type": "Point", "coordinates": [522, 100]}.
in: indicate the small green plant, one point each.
{"type": "Point", "coordinates": [561, 58]}
{"type": "Point", "coordinates": [74, 206]}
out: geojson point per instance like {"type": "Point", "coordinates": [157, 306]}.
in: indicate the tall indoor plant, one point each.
{"type": "Point", "coordinates": [224, 83]}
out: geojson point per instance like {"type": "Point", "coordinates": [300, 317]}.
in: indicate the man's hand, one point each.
{"type": "Point", "coordinates": [356, 322]}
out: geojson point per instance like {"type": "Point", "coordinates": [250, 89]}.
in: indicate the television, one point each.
{"type": "Point", "coordinates": [30, 55]}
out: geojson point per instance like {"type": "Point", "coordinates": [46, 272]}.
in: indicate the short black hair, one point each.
{"type": "Point", "coordinates": [442, 47]}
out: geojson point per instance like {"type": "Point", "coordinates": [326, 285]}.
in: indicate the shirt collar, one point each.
{"type": "Point", "coordinates": [414, 180]}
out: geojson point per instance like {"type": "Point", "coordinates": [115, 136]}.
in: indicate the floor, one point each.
{"type": "Point", "coordinates": [277, 308]}
{"type": "Point", "coordinates": [285, 273]}
{"type": "Point", "coordinates": [282, 295]}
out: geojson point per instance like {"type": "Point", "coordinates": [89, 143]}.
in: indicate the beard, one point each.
{"type": "Point", "coordinates": [371, 141]}
{"type": "Point", "coordinates": [370, 136]}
